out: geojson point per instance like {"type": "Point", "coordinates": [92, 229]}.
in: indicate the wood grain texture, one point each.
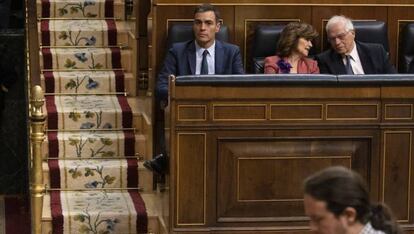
{"type": "Point", "coordinates": [254, 169]}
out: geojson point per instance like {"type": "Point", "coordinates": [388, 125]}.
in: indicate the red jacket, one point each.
{"type": "Point", "coordinates": [305, 66]}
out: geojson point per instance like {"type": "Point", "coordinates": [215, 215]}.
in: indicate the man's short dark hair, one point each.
{"type": "Point", "coordinates": [208, 7]}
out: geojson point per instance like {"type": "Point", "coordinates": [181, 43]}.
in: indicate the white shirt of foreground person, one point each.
{"type": "Point", "coordinates": [210, 58]}
{"type": "Point", "coordinates": [368, 229]}
{"type": "Point", "coordinates": [355, 62]}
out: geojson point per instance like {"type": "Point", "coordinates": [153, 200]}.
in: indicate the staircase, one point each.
{"type": "Point", "coordinates": [98, 129]}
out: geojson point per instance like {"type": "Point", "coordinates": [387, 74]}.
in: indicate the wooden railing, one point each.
{"type": "Point", "coordinates": [37, 117]}
{"type": "Point", "coordinates": [37, 136]}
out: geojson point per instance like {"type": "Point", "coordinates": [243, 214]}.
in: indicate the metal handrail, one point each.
{"type": "Point", "coordinates": [37, 136]}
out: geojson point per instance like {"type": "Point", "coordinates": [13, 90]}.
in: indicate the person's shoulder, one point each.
{"type": "Point", "coordinates": [311, 64]}
{"type": "Point", "coordinates": [226, 45]}
{"type": "Point", "coordinates": [272, 59]}
{"type": "Point", "coordinates": [181, 45]}
{"type": "Point", "coordinates": [309, 61]}
{"type": "Point", "coordinates": [367, 45]}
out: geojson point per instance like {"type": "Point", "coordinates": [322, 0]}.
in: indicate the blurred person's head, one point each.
{"type": "Point", "coordinates": [296, 38]}
{"type": "Point", "coordinates": [337, 202]}
{"type": "Point", "coordinates": [341, 34]}
{"type": "Point", "coordinates": [206, 24]}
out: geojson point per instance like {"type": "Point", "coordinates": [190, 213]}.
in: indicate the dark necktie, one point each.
{"type": "Point", "coordinates": [348, 66]}
{"type": "Point", "coordinates": [204, 64]}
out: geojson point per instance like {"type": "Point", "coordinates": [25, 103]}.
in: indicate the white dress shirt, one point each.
{"type": "Point", "coordinates": [368, 229]}
{"type": "Point", "coordinates": [355, 62]}
{"type": "Point", "coordinates": [210, 58]}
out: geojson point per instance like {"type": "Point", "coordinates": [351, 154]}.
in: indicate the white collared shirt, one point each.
{"type": "Point", "coordinates": [210, 58]}
{"type": "Point", "coordinates": [355, 61]}
{"type": "Point", "coordinates": [368, 229]}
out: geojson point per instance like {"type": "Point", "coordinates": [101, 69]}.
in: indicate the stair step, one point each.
{"type": "Point", "coordinates": [63, 148]}
{"type": "Point", "coordinates": [151, 201]}
{"type": "Point", "coordinates": [144, 176]}
{"type": "Point", "coordinates": [88, 112]}
{"type": "Point", "coordinates": [89, 144]}
{"type": "Point", "coordinates": [85, 59]}
{"type": "Point", "coordinates": [110, 204]}
{"type": "Point", "coordinates": [92, 173]}
{"type": "Point", "coordinates": [141, 123]}
{"type": "Point", "coordinates": [51, 8]}
{"type": "Point", "coordinates": [88, 82]}
{"type": "Point", "coordinates": [82, 33]}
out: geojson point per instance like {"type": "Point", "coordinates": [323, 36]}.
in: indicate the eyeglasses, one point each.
{"type": "Point", "coordinates": [340, 36]}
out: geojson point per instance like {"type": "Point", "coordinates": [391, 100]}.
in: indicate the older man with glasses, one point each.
{"type": "Point", "coordinates": [348, 56]}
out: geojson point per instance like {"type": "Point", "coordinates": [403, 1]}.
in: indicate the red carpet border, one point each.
{"type": "Point", "coordinates": [90, 142]}
{"type": "Point", "coordinates": [84, 219]}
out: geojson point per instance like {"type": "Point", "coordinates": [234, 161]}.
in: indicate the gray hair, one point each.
{"type": "Point", "coordinates": [339, 19]}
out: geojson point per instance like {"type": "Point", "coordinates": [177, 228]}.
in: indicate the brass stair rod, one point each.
{"type": "Point", "coordinates": [37, 136]}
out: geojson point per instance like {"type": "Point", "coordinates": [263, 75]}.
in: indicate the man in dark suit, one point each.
{"type": "Point", "coordinates": [348, 56]}
{"type": "Point", "coordinates": [203, 56]}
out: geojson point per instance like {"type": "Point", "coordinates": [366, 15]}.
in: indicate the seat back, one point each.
{"type": "Point", "coordinates": [265, 42]}
{"type": "Point", "coordinates": [264, 45]}
{"type": "Point", "coordinates": [181, 32]}
{"type": "Point", "coordinates": [370, 32]}
{"type": "Point", "coordinates": [406, 53]}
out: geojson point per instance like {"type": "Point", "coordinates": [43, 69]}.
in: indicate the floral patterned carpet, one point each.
{"type": "Point", "coordinates": [91, 161]}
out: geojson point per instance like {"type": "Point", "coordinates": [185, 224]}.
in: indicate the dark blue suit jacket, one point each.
{"type": "Point", "coordinates": [181, 60]}
{"type": "Point", "coordinates": [374, 60]}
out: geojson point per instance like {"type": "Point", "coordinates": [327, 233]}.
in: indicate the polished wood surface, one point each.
{"type": "Point", "coordinates": [239, 154]}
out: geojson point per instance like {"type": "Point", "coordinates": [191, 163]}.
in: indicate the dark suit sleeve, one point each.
{"type": "Point", "coordinates": [169, 68]}
{"type": "Point", "coordinates": [388, 68]}
{"type": "Point", "coordinates": [237, 62]}
{"type": "Point", "coordinates": [323, 68]}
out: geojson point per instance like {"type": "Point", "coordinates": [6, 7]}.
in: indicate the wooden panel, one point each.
{"type": "Point", "coordinates": [397, 172]}
{"type": "Point", "coordinates": [398, 111]}
{"type": "Point", "coordinates": [237, 112]}
{"type": "Point", "coordinates": [352, 111]}
{"type": "Point", "coordinates": [192, 113]}
{"type": "Point", "coordinates": [400, 92]}
{"type": "Point", "coordinates": [281, 92]}
{"type": "Point", "coordinates": [296, 111]}
{"type": "Point", "coordinates": [265, 188]}
{"type": "Point", "coordinates": [398, 16]}
{"type": "Point", "coordinates": [252, 174]}
{"type": "Point", "coordinates": [255, 170]}
{"type": "Point", "coordinates": [191, 161]}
